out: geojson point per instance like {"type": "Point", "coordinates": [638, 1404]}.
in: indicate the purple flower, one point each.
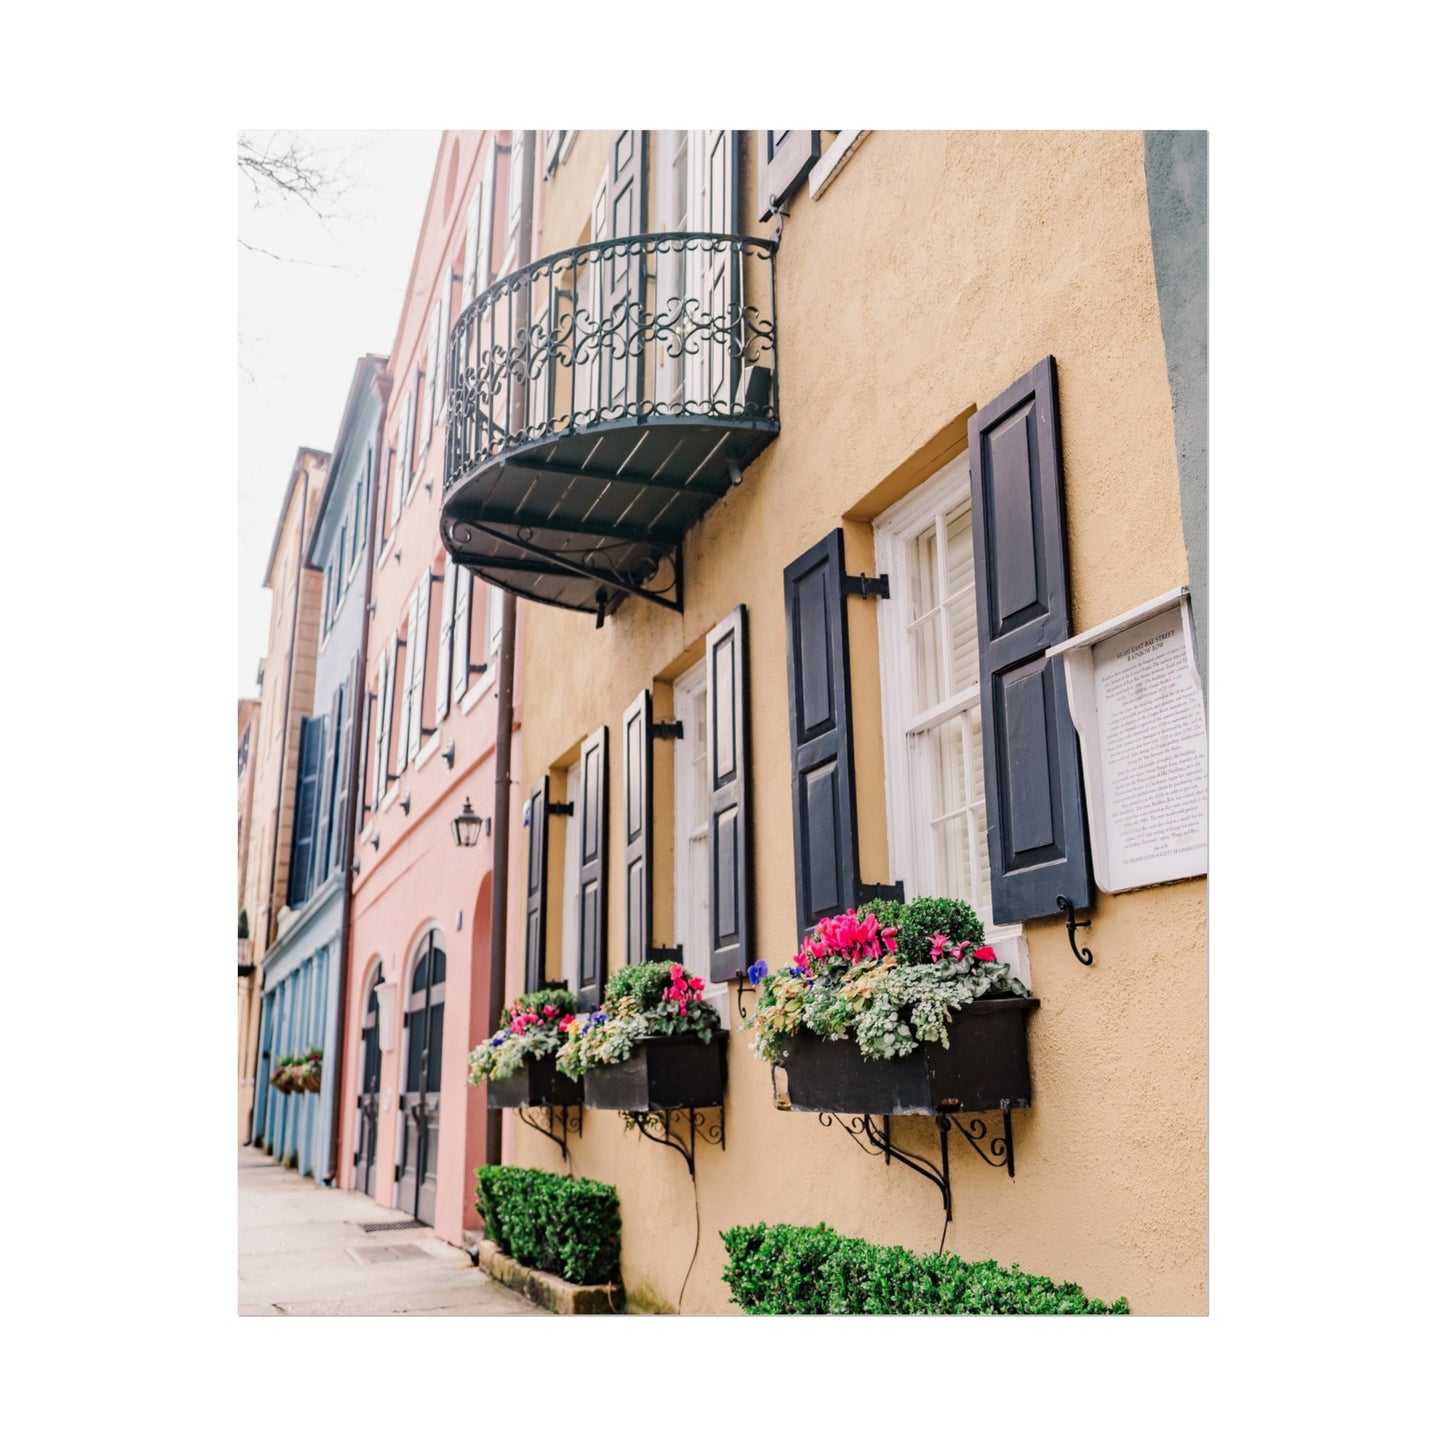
{"type": "Point", "coordinates": [599, 1017]}
{"type": "Point", "coordinates": [756, 972]}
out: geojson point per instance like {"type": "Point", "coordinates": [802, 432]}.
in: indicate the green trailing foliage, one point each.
{"type": "Point", "coordinates": [790, 1269]}
{"type": "Point", "coordinates": [568, 1227]}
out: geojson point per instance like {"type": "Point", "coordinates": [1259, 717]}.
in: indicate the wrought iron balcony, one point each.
{"type": "Point", "coordinates": [599, 401]}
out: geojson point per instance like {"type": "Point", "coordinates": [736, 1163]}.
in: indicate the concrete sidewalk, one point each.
{"type": "Point", "coordinates": [302, 1251]}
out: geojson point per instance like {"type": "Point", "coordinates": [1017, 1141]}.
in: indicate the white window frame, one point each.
{"type": "Point", "coordinates": [691, 828]}
{"type": "Point", "coordinates": [572, 884]}
{"type": "Point", "coordinates": [909, 840]}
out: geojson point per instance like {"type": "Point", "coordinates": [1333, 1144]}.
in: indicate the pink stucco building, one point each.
{"type": "Point", "coordinates": [412, 1133]}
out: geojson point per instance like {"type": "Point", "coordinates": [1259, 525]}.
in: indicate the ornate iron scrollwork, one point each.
{"type": "Point", "coordinates": [607, 332]}
{"type": "Point", "coordinates": [658, 1127]}
{"type": "Point", "coordinates": [550, 1129]}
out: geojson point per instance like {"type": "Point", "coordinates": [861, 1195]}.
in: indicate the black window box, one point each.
{"type": "Point", "coordinates": [536, 1083]}
{"type": "Point", "coordinates": [665, 1071]}
{"type": "Point", "coordinates": [985, 1066]}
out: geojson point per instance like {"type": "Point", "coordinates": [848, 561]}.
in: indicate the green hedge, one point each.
{"type": "Point", "coordinates": [789, 1269]}
{"type": "Point", "coordinates": [568, 1227]}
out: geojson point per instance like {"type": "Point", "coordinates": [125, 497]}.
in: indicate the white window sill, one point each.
{"type": "Point", "coordinates": [390, 796]}
{"type": "Point", "coordinates": [429, 749]}
{"type": "Point", "coordinates": [385, 549]}
{"type": "Point", "coordinates": [480, 688]}
{"type": "Point", "coordinates": [832, 160]}
{"type": "Point", "coordinates": [1008, 942]}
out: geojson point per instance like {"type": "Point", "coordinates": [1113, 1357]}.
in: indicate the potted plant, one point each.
{"type": "Point", "coordinates": [308, 1071]}
{"type": "Point", "coordinates": [518, 1064]}
{"type": "Point", "coordinates": [653, 1045]}
{"type": "Point", "coordinates": [895, 1008]}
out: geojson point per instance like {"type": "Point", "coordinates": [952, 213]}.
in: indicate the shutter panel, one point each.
{"type": "Point", "coordinates": [462, 634]}
{"type": "Point", "coordinates": [488, 225]}
{"type": "Point", "coordinates": [1037, 841]}
{"type": "Point", "coordinates": [622, 274]}
{"type": "Point", "coordinates": [728, 820]}
{"type": "Point", "coordinates": [536, 955]}
{"type": "Point", "coordinates": [469, 256]}
{"type": "Point", "coordinates": [590, 815]}
{"type": "Point", "coordinates": [637, 825]}
{"type": "Point", "coordinates": [346, 702]}
{"type": "Point", "coordinates": [430, 389]}
{"type": "Point", "coordinates": [444, 642]}
{"type": "Point", "coordinates": [403, 668]}
{"type": "Point", "coordinates": [444, 322]}
{"type": "Point", "coordinates": [551, 150]}
{"type": "Point", "coordinates": [326, 781]}
{"type": "Point", "coordinates": [364, 750]}
{"type": "Point", "coordinates": [416, 643]}
{"type": "Point", "coordinates": [784, 159]}
{"type": "Point", "coordinates": [393, 509]}
{"type": "Point", "coordinates": [825, 837]}
{"type": "Point", "coordinates": [388, 704]}
{"type": "Point", "coordinates": [303, 825]}
{"type": "Point", "coordinates": [408, 416]}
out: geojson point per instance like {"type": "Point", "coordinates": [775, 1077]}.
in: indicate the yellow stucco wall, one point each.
{"type": "Point", "coordinates": [936, 269]}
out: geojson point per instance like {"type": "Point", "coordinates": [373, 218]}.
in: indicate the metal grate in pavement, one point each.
{"type": "Point", "coordinates": [392, 1224]}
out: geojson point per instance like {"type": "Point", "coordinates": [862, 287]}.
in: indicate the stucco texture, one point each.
{"type": "Point", "coordinates": [935, 270]}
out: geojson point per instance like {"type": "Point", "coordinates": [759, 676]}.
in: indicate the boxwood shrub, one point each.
{"type": "Point", "coordinates": [568, 1227]}
{"type": "Point", "coordinates": [789, 1269]}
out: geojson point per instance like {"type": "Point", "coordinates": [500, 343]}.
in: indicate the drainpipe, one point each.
{"type": "Point", "coordinates": [506, 668]}
{"type": "Point", "coordinates": [281, 779]}
{"type": "Point", "coordinates": [353, 798]}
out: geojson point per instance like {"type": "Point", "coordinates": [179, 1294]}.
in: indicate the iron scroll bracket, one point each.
{"type": "Point", "coordinates": [555, 1129]}
{"type": "Point", "coordinates": [658, 1126]}
{"type": "Point", "coordinates": [1066, 907]}
{"type": "Point", "coordinates": [745, 985]}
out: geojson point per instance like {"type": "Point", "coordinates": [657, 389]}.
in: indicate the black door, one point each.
{"type": "Point", "coordinates": [421, 1096]}
{"type": "Point", "coordinates": [368, 1100]}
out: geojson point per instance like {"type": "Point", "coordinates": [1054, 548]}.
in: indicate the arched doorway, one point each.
{"type": "Point", "coordinates": [421, 1095]}
{"type": "Point", "coordinates": [368, 1097]}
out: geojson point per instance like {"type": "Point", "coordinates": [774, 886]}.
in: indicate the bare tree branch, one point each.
{"type": "Point", "coordinates": [283, 168]}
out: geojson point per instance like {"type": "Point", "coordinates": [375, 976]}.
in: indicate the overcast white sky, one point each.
{"type": "Point", "coordinates": [305, 319]}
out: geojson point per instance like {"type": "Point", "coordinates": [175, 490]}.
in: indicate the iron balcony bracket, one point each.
{"type": "Point", "coordinates": [551, 1130]}
{"type": "Point", "coordinates": [658, 1127]}
{"type": "Point", "coordinates": [1066, 907]}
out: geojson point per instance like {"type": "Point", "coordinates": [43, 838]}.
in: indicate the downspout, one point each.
{"type": "Point", "coordinates": [353, 796]}
{"type": "Point", "coordinates": [506, 670]}
{"type": "Point", "coordinates": [281, 779]}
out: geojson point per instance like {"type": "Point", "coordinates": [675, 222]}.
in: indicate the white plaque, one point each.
{"type": "Point", "coordinates": [1138, 708]}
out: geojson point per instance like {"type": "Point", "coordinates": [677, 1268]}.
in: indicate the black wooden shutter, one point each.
{"type": "Point", "coordinates": [1037, 841]}
{"type": "Point", "coordinates": [347, 704]}
{"type": "Point", "coordinates": [331, 769]}
{"type": "Point", "coordinates": [729, 823]}
{"type": "Point", "coordinates": [784, 159]}
{"type": "Point", "coordinates": [825, 833]}
{"type": "Point", "coordinates": [591, 817]}
{"type": "Point", "coordinates": [637, 825]}
{"type": "Point", "coordinates": [536, 959]}
{"type": "Point", "coordinates": [303, 824]}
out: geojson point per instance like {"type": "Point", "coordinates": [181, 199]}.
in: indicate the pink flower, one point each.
{"type": "Point", "coordinates": [698, 985]}
{"type": "Point", "coordinates": [566, 1022]}
{"type": "Point", "coordinates": [548, 1010]}
{"type": "Point", "coordinates": [940, 944]}
{"type": "Point", "coordinates": [889, 936]}
{"type": "Point", "coordinates": [985, 954]}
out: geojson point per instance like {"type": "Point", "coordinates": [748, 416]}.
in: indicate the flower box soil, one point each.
{"type": "Point", "coordinates": [985, 1065]}
{"type": "Point", "coordinates": [669, 1071]}
{"type": "Point", "coordinates": [537, 1082]}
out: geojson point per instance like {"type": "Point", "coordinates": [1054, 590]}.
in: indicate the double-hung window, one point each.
{"type": "Point", "coordinates": [932, 704]}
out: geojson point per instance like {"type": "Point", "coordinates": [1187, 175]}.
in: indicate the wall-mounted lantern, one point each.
{"type": "Point", "coordinates": [467, 826]}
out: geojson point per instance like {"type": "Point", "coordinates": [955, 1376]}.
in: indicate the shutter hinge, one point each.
{"type": "Point", "coordinates": [559, 810]}
{"type": "Point", "coordinates": [476, 667]}
{"type": "Point", "coordinates": [665, 728]}
{"type": "Point", "coordinates": [865, 586]}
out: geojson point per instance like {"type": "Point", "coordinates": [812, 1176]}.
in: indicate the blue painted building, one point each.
{"type": "Point", "coordinates": [304, 970]}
